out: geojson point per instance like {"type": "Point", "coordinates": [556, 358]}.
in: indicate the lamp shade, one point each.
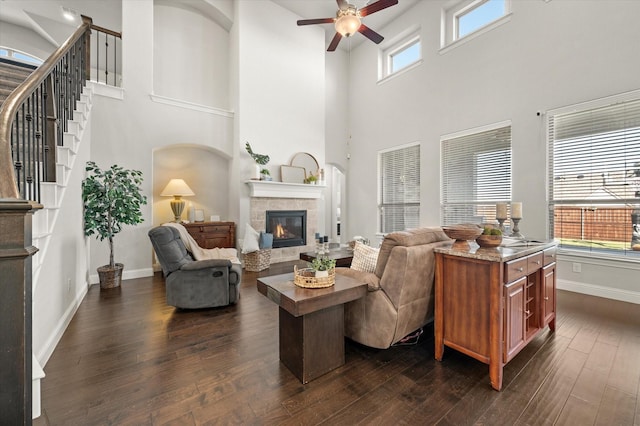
{"type": "Point", "coordinates": [177, 187]}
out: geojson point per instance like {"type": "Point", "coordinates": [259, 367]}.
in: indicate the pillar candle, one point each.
{"type": "Point", "coordinates": [501, 211]}
{"type": "Point", "coordinates": [516, 210]}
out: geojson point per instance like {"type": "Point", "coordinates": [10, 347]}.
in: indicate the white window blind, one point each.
{"type": "Point", "coordinates": [399, 184]}
{"type": "Point", "coordinates": [594, 178]}
{"type": "Point", "coordinates": [476, 174]}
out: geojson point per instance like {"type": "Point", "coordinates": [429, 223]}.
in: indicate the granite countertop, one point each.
{"type": "Point", "coordinates": [509, 250]}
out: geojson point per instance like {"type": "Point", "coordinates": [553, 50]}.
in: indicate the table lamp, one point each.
{"type": "Point", "coordinates": [177, 188]}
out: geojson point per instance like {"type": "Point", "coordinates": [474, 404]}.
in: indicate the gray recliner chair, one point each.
{"type": "Point", "coordinates": [193, 284]}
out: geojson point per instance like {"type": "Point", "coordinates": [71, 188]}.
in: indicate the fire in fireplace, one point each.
{"type": "Point", "coordinates": [289, 227]}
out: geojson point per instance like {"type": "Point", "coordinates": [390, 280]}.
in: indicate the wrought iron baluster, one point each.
{"type": "Point", "coordinates": [106, 59]}
{"type": "Point", "coordinates": [98, 56]}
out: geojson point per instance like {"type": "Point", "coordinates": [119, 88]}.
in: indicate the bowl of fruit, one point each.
{"type": "Point", "coordinates": [490, 237]}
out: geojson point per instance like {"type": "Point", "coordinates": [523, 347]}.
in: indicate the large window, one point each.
{"type": "Point", "coordinates": [476, 174]}
{"type": "Point", "coordinates": [594, 176]}
{"type": "Point", "coordinates": [399, 188]}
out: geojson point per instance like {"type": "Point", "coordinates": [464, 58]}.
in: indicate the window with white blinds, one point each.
{"type": "Point", "coordinates": [594, 178]}
{"type": "Point", "coordinates": [399, 188]}
{"type": "Point", "coordinates": [476, 174]}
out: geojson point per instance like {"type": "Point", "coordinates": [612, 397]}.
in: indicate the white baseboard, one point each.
{"type": "Point", "coordinates": [599, 291]}
{"type": "Point", "coordinates": [45, 352]}
{"type": "Point", "coordinates": [126, 275]}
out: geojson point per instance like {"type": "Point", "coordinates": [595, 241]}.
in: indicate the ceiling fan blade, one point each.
{"type": "Point", "coordinates": [334, 43]}
{"type": "Point", "coordinates": [377, 6]}
{"type": "Point", "coordinates": [316, 21]}
{"type": "Point", "coordinates": [370, 34]}
{"type": "Point", "coordinates": [343, 4]}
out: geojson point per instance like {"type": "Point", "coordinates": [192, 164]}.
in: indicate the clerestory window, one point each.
{"type": "Point", "coordinates": [466, 19]}
{"type": "Point", "coordinates": [401, 55]}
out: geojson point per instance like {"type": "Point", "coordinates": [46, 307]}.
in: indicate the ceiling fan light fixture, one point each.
{"type": "Point", "coordinates": [347, 22]}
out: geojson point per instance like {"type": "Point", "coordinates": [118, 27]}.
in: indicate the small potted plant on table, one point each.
{"type": "Point", "coordinates": [322, 266]}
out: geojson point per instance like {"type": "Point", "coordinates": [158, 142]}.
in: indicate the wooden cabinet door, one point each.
{"type": "Point", "coordinates": [549, 295]}
{"type": "Point", "coordinates": [514, 319]}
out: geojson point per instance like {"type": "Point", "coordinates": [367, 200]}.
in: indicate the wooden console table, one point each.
{"type": "Point", "coordinates": [311, 322]}
{"type": "Point", "coordinates": [213, 234]}
{"type": "Point", "coordinates": [490, 303]}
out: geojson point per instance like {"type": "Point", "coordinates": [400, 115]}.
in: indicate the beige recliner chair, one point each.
{"type": "Point", "coordinates": [401, 290]}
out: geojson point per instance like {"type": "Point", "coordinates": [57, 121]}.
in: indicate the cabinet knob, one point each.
{"type": "Point", "coordinates": [546, 298]}
{"type": "Point", "coordinates": [527, 312]}
{"type": "Point", "coordinates": [520, 269]}
{"type": "Point", "coordinates": [537, 262]}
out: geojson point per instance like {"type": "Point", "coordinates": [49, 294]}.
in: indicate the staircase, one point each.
{"type": "Point", "coordinates": [52, 193]}
{"type": "Point", "coordinates": [11, 75]}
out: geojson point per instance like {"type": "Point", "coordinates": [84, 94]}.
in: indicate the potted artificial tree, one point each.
{"type": "Point", "coordinates": [111, 198]}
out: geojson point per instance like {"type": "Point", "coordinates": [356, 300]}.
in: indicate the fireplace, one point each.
{"type": "Point", "coordinates": [289, 227]}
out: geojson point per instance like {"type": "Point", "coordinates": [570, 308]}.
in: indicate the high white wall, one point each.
{"type": "Point", "coordinates": [128, 130]}
{"type": "Point", "coordinates": [25, 40]}
{"type": "Point", "coordinates": [279, 94]}
{"type": "Point", "coordinates": [191, 56]}
{"type": "Point", "coordinates": [550, 54]}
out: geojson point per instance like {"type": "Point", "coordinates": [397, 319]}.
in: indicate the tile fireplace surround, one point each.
{"type": "Point", "coordinates": [259, 207]}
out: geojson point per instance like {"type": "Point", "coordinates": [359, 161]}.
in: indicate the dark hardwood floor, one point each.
{"type": "Point", "coordinates": [129, 359]}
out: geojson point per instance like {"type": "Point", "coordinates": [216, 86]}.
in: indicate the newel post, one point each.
{"type": "Point", "coordinates": [16, 254]}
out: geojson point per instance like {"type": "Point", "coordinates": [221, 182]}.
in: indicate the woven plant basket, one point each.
{"type": "Point", "coordinates": [258, 260]}
{"type": "Point", "coordinates": [306, 277]}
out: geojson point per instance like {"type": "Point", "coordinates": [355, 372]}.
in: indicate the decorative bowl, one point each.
{"type": "Point", "coordinates": [489, 240]}
{"type": "Point", "coordinates": [463, 232]}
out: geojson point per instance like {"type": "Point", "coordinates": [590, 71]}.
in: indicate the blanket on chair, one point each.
{"type": "Point", "coordinates": [200, 253]}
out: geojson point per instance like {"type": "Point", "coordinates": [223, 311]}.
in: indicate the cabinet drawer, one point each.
{"type": "Point", "coordinates": [215, 229]}
{"type": "Point", "coordinates": [534, 262]}
{"type": "Point", "coordinates": [549, 256]}
{"type": "Point", "coordinates": [515, 269]}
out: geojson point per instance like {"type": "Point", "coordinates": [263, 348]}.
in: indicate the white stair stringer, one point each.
{"type": "Point", "coordinates": [52, 192]}
{"type": "Point", "coordinates": [44, 220]}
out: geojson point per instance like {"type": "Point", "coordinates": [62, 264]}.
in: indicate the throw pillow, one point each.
{"type": "Point", "coordinates": [250, 242]}
{"type": "Point", "coordinates": [364, 257]}
{"type": "Point", "coordinates": [266, 240]}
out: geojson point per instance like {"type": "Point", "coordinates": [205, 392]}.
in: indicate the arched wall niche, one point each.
{"type": "Point", "coordinates": [204, 169]}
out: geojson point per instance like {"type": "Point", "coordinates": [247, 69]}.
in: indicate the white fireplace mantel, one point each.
{"type": "Point", "coordinates": [270, 189]}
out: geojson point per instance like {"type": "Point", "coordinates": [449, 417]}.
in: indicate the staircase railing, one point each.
{"type": "Point", "coordinates": [35, 116]}
{"type": "Point", "coordinates": [29, 114]}
{"type": "Point", "coordinates": [106, 61]}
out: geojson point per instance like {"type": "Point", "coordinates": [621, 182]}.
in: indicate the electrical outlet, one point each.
{"type": "Point", "coordinates": [577, 267]}
{"type": "Point", "coordinates": [69, 285]}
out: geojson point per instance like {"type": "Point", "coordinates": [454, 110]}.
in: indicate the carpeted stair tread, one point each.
{"type": "Point", "coordinates": [11, 76]}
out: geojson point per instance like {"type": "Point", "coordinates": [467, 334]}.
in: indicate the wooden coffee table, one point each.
{"type": "Point", "coordinates": [342, 256]}
{"type": "Point", "coordinates": [311, 322]}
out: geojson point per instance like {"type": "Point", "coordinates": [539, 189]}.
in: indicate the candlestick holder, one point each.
{"type": "Point", "coordinates": [501, 224]}
{"type": "Point", "coordinates": [516, 231]}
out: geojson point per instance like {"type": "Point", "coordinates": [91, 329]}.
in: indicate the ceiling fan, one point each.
{"type": "Point", "coordinates": [348, 21]}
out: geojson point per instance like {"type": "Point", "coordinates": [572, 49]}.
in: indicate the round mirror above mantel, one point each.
{"type": "Point", "coordinates": [306, 161]}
